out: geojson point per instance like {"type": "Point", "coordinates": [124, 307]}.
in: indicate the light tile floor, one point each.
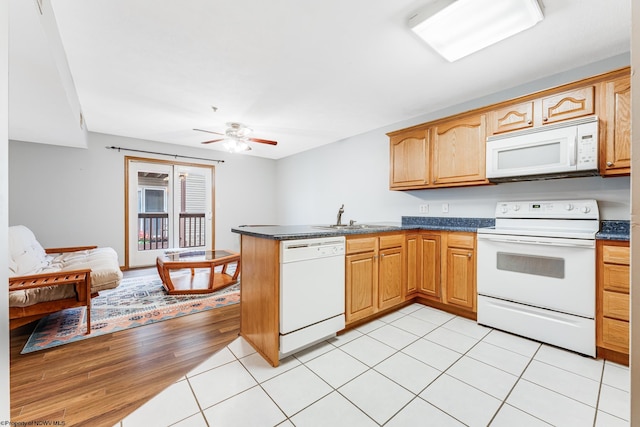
{"type": "Point", "coordinates": [417, 366]}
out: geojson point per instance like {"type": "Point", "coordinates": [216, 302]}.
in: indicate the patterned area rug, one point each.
{"type": "Point", "coordinates": [135, 302]}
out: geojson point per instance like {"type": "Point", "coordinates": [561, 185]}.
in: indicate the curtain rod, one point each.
{"type": "Point", "coordinates": [162, 154]}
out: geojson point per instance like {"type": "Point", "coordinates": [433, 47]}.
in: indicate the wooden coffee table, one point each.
{"type": "Point", "coordinates": [204, 281]}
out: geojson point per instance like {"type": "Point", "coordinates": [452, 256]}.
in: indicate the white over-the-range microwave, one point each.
{"type": "Point", "coordinates": [558, 150]}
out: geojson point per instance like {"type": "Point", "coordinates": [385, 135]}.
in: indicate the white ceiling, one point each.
{"type": "Point", "coordinates": [305, 73]}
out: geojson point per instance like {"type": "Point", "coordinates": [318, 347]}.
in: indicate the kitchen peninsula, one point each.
{"type": "Point", "coordinates": [378, 266]}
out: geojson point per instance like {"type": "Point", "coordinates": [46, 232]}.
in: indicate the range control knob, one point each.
{"type": "Point", "coordinates": [569, 207]}
{"type": "Point", "coordinates": [503, 209]}
{"type": "Point", "coordinates": [516, 207]}
{"type": "Point", "coordinates": [585, 209]}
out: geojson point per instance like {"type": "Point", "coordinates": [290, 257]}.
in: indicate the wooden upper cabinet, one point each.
{"type": "Point", "coordinates": [568, 105]}
{"type": "Point", "coordinates": [615, 148]}
{"type": "Point", "coordinates": [512, 117]}
{"type": "Point", "coordinates": [459, 150]}
{"type": "Point", "coordinates": [450, 151]}
{"type": "Point", "coordinates": [409, 159]}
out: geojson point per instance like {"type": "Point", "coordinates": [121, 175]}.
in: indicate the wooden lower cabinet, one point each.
{"type": "Point", "coordinates": [612, 302]}
{"type": "Point", "coordinates": [390, 277]}
{"type": "Point", "coordinates": [374, 275]}
{"type": "Point", "coordinates": [361, 286]}
{"type": "Point", "coordinates": [423, 265]}
{"type": "Point", "coordinates": [441, 269]}
{"type": "Point", "coordinates": [459, 270]}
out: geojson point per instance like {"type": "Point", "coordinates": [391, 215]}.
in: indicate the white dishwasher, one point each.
{"type": "Point", "coordinates": [311, 291]}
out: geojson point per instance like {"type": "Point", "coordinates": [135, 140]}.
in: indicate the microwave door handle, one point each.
{"type": "Point", "coordinates": [573, 152]}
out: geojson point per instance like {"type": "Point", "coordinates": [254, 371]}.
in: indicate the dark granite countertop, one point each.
{"type": "Point", "coordinates": [609, 230]}
{"type": "Point", "coordinates": [290, 232]}
{"type": "Point", "coordinates": [447, 223]}
{"type": "Point", "coordinates": [614, 230]}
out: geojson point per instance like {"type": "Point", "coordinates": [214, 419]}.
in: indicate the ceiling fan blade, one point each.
{"type": "Point", "coordinates": [213, 140]}
{"type": "Point", "coordinates": [209, 131]}
{"type": "Point", "coordinates": [263, 141]}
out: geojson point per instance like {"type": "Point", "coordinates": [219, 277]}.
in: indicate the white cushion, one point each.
{"type": "Point", "coordinates": [27, 257]}
{"type": "Point", "coordinates": [103, 262]}
{"type": "Point", "coordinates": [26, 254]}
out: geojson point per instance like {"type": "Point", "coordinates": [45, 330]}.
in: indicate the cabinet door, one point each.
{"type": "Point", "coordinates": [390, 278]}
{"type": "Point", "coordinates": [616, 158]}
{"type": "Point", "coordinates": [512, 117]}
{"type": "Point", "coordinates": [409, 159]}
{"type": "Point", "coordinates": [461, 290]}
{"type": "Point", "coordinates": [430, 265]}
{"type": "Point", "coordinates": [412, 265]}
{"type": "Point", "coordinates": [612, 302]}
{"type": "Point", "coordinates": [361, 286]}
{"type": "Point", "coordinates": [568, 105]}
{"type": "Point", "coordinates": [459, 151]}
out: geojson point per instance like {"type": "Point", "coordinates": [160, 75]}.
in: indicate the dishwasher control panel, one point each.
{"type": "Point", "coordinates": [304, 249]}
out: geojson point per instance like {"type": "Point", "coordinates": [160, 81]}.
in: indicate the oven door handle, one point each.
{"type": "Point", "coordinates": [537, 241]}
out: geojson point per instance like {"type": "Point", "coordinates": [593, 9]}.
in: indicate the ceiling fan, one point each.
{"type": "Point", "coordinates": [236, 137]}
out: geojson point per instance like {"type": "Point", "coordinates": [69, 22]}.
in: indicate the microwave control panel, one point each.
{"type": "Point", "coordinates": [587, 147]}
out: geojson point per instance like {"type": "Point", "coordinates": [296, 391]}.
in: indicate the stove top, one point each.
{"type": "Point", "coordinates": [573, 219]}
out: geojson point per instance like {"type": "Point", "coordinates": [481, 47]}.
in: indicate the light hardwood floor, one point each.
{"type": "Point", "coordinates": [99, 381]}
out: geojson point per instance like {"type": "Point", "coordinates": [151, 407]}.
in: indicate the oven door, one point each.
{"type": "Point", "coordinates": [552, 273]}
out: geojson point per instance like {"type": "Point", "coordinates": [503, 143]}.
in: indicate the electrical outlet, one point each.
{"type": "Point", "coordinates": [445, 208]}
{"type": "Point", "coordinates": [423, 209]}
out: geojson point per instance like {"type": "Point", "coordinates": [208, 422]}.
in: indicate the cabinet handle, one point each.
{"type": "Point", "coordinates": [381, 255]}
{"type": "Point", "coordinates": [469, 255]}
{"type": "Point", "coordinates": [546, 119]}
{"type": "Point", "coordinates": [609, 164]}
{"type": "Point", "coordinates": [529, 122]}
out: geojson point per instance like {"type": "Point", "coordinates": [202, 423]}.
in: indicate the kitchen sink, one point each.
{"type": "Point", "coordinates": [351, 227]}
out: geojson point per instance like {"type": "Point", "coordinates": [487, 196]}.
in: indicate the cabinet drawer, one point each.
{"type": "Point", "coordinates": [616, 278]}
{"type": "Point", "coordinates": [461, 240]}
{"type": "Point", "coordinates": [615, 305]}
{"type": "Point", "coordinates": [615, 254]}
{"type": "Point", "coordinates": [615, 333]}
{"type": "Point", "coordinates": [362, 244]}
{"type": "Point", "coordinates": [393, 241]}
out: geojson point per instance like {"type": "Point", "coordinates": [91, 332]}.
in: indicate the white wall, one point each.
{"type": "Point", "coordinates": [74, 196]}
{"type": "Point", "coordinates": [312, 185]}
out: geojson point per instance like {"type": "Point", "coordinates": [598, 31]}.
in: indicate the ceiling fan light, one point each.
{"type": "Point", "coordinates": [457, 28]}
{"type": "Point", "coordinates": [234, 145]}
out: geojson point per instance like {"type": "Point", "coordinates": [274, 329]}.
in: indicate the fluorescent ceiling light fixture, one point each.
{"type": "Point", "coordinates": [457, 28]}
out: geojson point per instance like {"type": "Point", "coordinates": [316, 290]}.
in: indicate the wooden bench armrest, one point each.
{"type": "Point", "coordinates": [69, 249]}
{"type": "Point", "coordinates": [49, 279]}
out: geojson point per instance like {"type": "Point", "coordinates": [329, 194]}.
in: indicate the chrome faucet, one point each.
{"type": "Point", "coordinates": [340, 212]}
